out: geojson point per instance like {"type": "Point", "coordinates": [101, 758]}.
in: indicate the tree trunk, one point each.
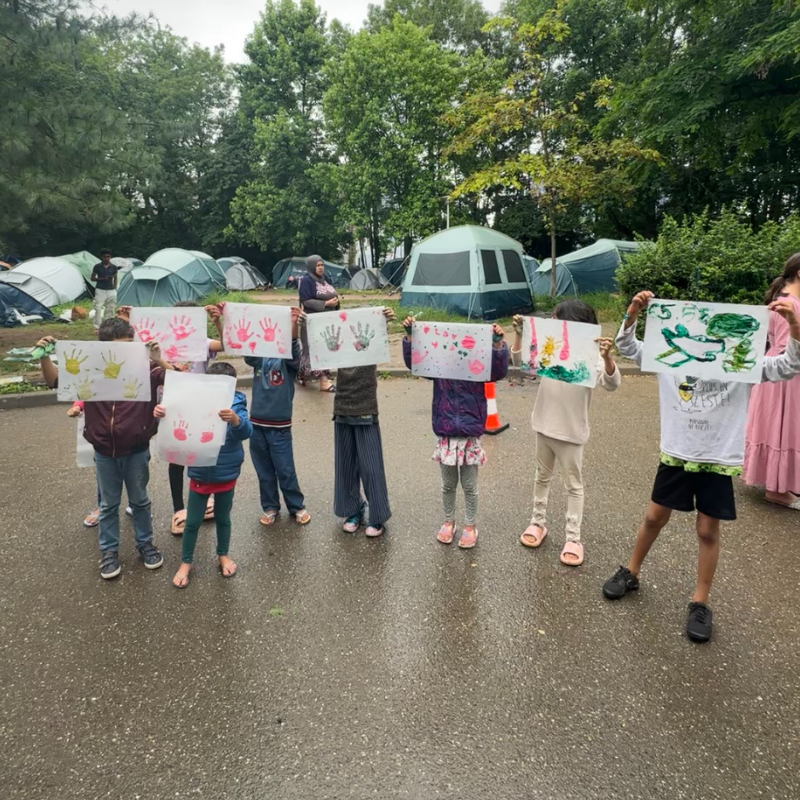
{"type": "Point", "coordinates": [553, 284]}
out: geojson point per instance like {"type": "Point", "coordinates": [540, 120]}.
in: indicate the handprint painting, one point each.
{"type": "Point", "coordinates": [179, 332]}
{"type": "Point", "coordinates": [456, 351]}
{"type": "Point", "coordinates": [717, 341]}
{"type": "Point", "coordinates": [192, 432]}
{"type": "Point", "coordinates": [95, 371]}
{"type": "Point", "coordinates": [561, 350]}
{"type": "Point", "coordinates": [353, 337]}
{"type": "Point", "coordinates": [258, 330]}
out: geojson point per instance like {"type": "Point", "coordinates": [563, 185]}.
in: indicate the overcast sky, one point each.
{"type": "Point", "coordinates": [228, 22]}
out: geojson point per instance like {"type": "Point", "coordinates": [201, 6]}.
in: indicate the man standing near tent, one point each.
{"type": "Point", "coordinates": [104, 276]}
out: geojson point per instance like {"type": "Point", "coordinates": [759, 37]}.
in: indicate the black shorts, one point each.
{"type": "Point", "coordinates": [709, 492]}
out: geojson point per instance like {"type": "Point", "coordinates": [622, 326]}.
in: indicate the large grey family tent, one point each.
{"type": "Point", "coordinates": [591, 269]}
{"type": "Point", "coordinates": [84, 261]}
{"type": "Point", "coordinates": [228, 261]}
{"type": "Point", "coordinates": [123, 265]}
{"type": "Point", "coordinates": [243, 278]}
{"type": "Point", "coordinates": [288, 271]}
{"type": "Point", "coordinates": [51, 281]}
{"type": "Point", "coordinates": [16, 304]}
{"type": "Point", "coordinates": [367, 279]}
{"type": "Point", "coordinates": [170, 276]}
{"type": "Point", "coordinates": [469, 270]}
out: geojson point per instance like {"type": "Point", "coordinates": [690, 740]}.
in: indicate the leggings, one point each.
{"type": "Point", "coordinates": [469, 484]}
{"type": "Point", "coordinates": [194, 517]}
{"type": "Point", "coordinates": [176, 487]}
{"type": "Point", "coordinates": [570, 458]}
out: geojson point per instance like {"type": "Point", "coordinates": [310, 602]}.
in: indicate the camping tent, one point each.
{"type": "Point", "coordinates": [367, 279]}
{"type": "Point", "coordinates": [228, 261]}
{"type": "Point", "coordinates": [243, 278]}
{"type": "Point", "coordinates": [394, 269]}
{"type": "Point", "coordinates": [470, 270]}
{"type": "Point", "coordinates": [169, 276]}
{"type": "Point", "coordinates": [51, 281]}
{"type": "Point", "coordinates": [214, 270]}
{"type": "Point", "coordinates": [85, 263]}
{"type": "Point", "coordinates": [592, 268]}
{"type": "Point", "coordinates": [123, 265]}
{"type": "Point", "coordinates": [565, 284]}
{"type": "Point", "coordinates": [287, 273]}
{"type": "Point", "coordinates": [16, 303]}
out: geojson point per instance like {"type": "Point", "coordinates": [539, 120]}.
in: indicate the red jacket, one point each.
{"type": "Point", "coordinates": [120, 428]}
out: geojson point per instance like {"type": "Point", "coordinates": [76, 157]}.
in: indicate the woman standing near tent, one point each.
{"type": "Point", "coordinates": [772, 444]}
{"type": "Point", "coordinates": [316, 295]}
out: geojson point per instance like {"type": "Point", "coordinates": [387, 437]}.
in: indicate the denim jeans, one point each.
{"type": "Point", "coordinates": [273, 458]}
{"type": "Point", "coordinates": [134, 472]}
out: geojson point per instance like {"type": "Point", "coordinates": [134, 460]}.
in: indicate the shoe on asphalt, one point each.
{"type": "Point", "coordinates": [109, 564]}
{"type": "Point", "coordinates": [620, 583]}
{"type": "Point", "coordinates": [92, 520]}
{"type": "Point", "coordinates": [351, 524]}
{"type": "Point", "coordinates": [373, 531]}
{"type": "Point", "coordinates": [699, 624]}
{"type": "Point", "coordinates": [151, 555]}
{"type": "Point", "coordinates": [129, 511]}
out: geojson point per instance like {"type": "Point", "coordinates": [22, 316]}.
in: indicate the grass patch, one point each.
{"type": "Point", "coordinates": [22, 388]}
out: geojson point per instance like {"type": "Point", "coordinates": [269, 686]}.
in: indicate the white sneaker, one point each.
{"type": "Point", "coordinates": [129, 511]}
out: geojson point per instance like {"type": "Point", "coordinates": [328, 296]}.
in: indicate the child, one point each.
{"type": "Point", "coordinates": [358, 451]}
{"type": "Point", "coordinates": [561, 421]}
{"type": "Point", "coordinates": [459, 420]}
{"type": "Point", "coordinates": [219, 480]}
{"type": "Point", "coordinates": [702, 446]}
{"type": "Point", "coordinates": [271, 443]}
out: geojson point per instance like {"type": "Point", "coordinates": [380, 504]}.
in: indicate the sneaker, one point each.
{"type": "Point", "coordinates": [373, 531]}
{"type": "Point", "coordinates": [109, 564]}
{"type": "Point", "coordinates": [351, 523]}
{"type": "Point", "coordinates": [92, 520]}
{"type": "Point", "coordinates": [129, 511]}
{"type": "Point", "coordinates": [699, 624]}
{"type": "Point", "coordinates": [620, 583]}
{"type": "Point", "coordinates": [151, 555]}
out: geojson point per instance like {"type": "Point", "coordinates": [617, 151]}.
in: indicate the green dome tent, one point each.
{"type": "Point", "coordinates": [171, 276]}
{"type": "Point", "coordinates": [85, 262]}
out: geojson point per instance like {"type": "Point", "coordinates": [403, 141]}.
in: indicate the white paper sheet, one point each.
{"type": "Point", "coordinates": [96, 371]}
{"type": "Point", "coordinates": [180, 332]}
{"type": "Point", "coordinates": [84, 454]}
{"type": "Point", "coordinates": [718, 341]}
{"type": "Point", "coordinates": [258, 330]}
{"type": "Point", "coordinates": [349, 338]}
{"type": "Point", "coordinates": [192, 432]}
{"type": "Point", "coordinates": [560, 350]}
{"type": "Point", "coordinates": [458, 351]}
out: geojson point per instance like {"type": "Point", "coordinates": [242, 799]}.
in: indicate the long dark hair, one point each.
{"type": "Point", "coordinates": [790, 273]}
{"type": "Point", "coordinates": [575, 311]}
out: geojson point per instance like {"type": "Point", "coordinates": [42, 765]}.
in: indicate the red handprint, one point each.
{"type": "Point", "coordinates": [417, 357]}
{"type": "Point", "coordinates": [181, 328]}
{"type": "Point", "coordinates": [243, 331]}
{"type": "Point", "coordinates": [144, 330]}
{"type": "Point", "coordinates": [175, 352]}
{"type": "Point", "coordinates": [267, 331]}
{"type": "Point", "coordinates": [180, 430]}
{"type": "Point", "coordinates": [206, 436]}
{"type": "Point", "coordinates": [475, 367]}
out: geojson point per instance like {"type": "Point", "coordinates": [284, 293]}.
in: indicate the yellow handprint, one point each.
{"type": "Point", "coordinates": [84, 389]}
{"type": "Point", "coordinates": [132, 389]}
{"type": "Point", "coordinates": [74, 361]}
{"type": "Point", "coordinates": [112, 368]}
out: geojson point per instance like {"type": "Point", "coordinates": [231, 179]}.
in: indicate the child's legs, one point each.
{"type": "Point", "coordinates": [449, 486]}
{"type": "Point", "coordinates": [346, 489]}
{"type": "Point", "coordinates": [222, 515]}
{"type": "Point", "coordinates": [708, 555]}
{"type": "Point", "coordinates": [570, 459]}
{"type": "Point", "coordinates": [109, 484]}
{"type": "Point", "coordinates": [373, 475]}
{"type": "Point", "coordinates": [176, 486]}
{"type": "Point", "coordinates": [545, 464]}
{"type": "Point", "coordinates": [655, 520]}
{"type": "Point", "coordinates": [265, 469]}
{"type": "Point", "coordinates": [280, 445]}
{"type": "Point", "coordinates": [195, 512]}
{"type": "Point", "coordinates": [715, 501]}
{"type": "Point", "coordinates": [469, 485]}
{"type": "Point", "coordinates": [136, 469]}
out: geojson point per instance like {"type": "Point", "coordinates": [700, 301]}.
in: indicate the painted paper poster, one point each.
{"type": "Point", "coordinates": [103, 371]}
{"type": "Point", "coordinates": [561, 350]}
{"type": "Point", "coordinates": [192, 432]}
{"type": "Point", "coordinates": [258, 330]}
{"type": "Point", "coordinates": [84, 455]}
{"type": "Point", "coordinates": [454, 350]}
{"type": "Point", "coordinates": [718, 341]}
{"type": "Point", "coordinates": [352, 338]}
{"type": "Point", "coordinates": [180, 332]}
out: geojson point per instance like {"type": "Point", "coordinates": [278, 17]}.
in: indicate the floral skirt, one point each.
{"type": "Point", "coordinates": [305, 373]}
{"type": "Point", "coordinates": [457, 451]}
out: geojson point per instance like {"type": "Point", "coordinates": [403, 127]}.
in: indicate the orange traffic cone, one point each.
{"type": "Point", "coordinates": [493, 426]}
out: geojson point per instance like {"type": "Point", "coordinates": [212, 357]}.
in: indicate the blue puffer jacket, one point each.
{"type": "Point", "coordinates": [231, 455]}
{"type": "Point", "coordinates": [459, 407]}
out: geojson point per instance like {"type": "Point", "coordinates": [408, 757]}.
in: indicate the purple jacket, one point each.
{"type": "Point", "coordinates": [459, 407]}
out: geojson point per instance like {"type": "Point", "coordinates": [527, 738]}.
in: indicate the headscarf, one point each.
{"type": "Point", "coordinates": [311, 267]}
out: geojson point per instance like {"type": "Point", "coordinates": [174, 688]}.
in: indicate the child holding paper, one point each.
{"type": "Point", "coordinates": [698, 459]}
{"type": "Point", "coordinates": [219, 480]}
{"type": "Point", "coordinates": [459, 420]}
{"type": "Point", "coordinates": [561, 421]}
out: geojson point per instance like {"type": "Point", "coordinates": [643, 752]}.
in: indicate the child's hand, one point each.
{"type": "Point", "coordinates": [408, 323]}
{"type": "Point", "coordinates": [45, 341]}
{"type": "Point", "coordinates": [124, 312]}
{"type": "Point", "coordinates": [605, 347]}
{"type": "Point", "coordinates": [74, 411]}
{"type": "Point", "coordinates": [497, 335]}
{"type": "Point", "coordinates": [388, 313]}
{"type": "Point", "coordinates": [214, 313]}
{"type": "Point", "coordinates": [301, 320]}
{"type": "Point", "coordinates": [159, 412]}
{"type": "Point", "coordinates": [221, 307]}
{"type": "Point", "coordinates": [230, 416]}
{"type": "Point", "coordinates": [517, 322]}
{"type": "Point", "coordinates": [785, 308]}
{"type": "Point", "coordinates": [640, 302]}
{"type": "Point", "coordinates": [296, 312]}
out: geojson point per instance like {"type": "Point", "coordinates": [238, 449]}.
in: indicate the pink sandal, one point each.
{"type": "Point", "coordinates": [446, 533]}
{"type": "Point", "coordinates": [468, 539]}
{"type": "Point", "coordinates": [535, 533]}
{"type": "Point", "coordinates": [572, 549]}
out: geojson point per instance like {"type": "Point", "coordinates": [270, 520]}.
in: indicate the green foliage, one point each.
{"type": "Point", "coordinates": [701, 258]}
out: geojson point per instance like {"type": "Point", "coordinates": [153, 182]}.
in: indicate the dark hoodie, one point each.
{"type": "Point", "coordinates": [315, 290]}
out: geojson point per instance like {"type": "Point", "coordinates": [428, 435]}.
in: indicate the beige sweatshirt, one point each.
{"type": "Point", "coordinates": [561, 410]}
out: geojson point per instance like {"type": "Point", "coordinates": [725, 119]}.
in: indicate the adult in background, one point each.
{"type": "Point", "coordinates": [316, 295]}
{"type": "Point", "coordinates": [772, 443]}
{"type": "Point", "coordinates": [104, 276]}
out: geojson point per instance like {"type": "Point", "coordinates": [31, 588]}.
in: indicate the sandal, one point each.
{"type": "Point", "coordinates": [228, 570]}
{"type": "Point", "coordinates": [209, 509]}
{"type": "Point", "coordinates": [92, 520]}
{"type": "Point", "coordinates": [572, 549]}
{"type": "Point", "coordinates": [468, 539]}
{"type": "Point", "coordinates": [533, 536]}
{"type": "Point", "coordinates": [794, 506]}
{"type": "Point", "coordinates": [180, 581]}
{"type": "Point", "coordinates": [269, 517]}
{"type": "Point", "coordinates": [331, 389]}
{"type": "Point", "coordinates": [302, 517]}
{"type": "Point", "coordinates": [178, 523]}
{"type": "Point", "coordinates": [446, 533]}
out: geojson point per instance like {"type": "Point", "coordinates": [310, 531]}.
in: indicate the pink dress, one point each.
{"type": "Point", "coordinates": [772, 445]}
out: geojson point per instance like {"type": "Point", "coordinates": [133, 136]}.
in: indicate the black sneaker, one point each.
{"type": "Point", "coordinates": [151, 555]}
{"type": "Point", "coordinates": [620, 583]}
{"type": "Point", "coordinates": [699, 624]}
{"type": "Point", "coordinates": [109, 564]}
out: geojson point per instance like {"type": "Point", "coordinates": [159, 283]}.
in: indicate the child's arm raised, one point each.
{"type": "Point", "coordinates": [787, 365]}
{"type": "Point", "coordinates": [610, 378]}
{"type": "Point", "coordinates": [239, 423]}
{"type": "Point", "coordinates": [215, 315]}
{"type": "Point", "coordinates": [629, 346]}
{"type": "Point", "coordinates": [499, 354]}
{"type": "Point", "coordinates": [408, 324]}
{"type": "Point", "coordinates": [49, 370]}
{"type": "Point", "coordinates": [516, 351]}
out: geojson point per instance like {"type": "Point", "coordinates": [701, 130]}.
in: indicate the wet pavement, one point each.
{"type": "Point", "coordinates": [334, 666]}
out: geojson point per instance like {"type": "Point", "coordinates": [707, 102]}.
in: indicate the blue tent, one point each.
{"type": "Point", "coordinates": [288, 271]}
{"type": "Point", "coordinates": [14, 302]}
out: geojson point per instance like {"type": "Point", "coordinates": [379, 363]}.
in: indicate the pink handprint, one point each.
{"type": "Point", "coordinates": [180, 430]}
{"type": "Point", "coordinates": [475, 367]}
{"type": "Point", "coordinates": [267, 331]}
{"type": "Point", "coordinates": [144, 330]}
{"type": "Point", "coordinates": [417, 357]}
{"type": "Point", "coordinates": [175, 352]}
{"type": "Point", "coordinates": [565, 346]}
{"type": "Point", "coordinates": [181, 328]}
{"type": "Point", "coordinates": [190, 458]}
{"type": "Point", "coordinates": [243, 333]}
{"type": "Point", "coordinates": [206, 436]}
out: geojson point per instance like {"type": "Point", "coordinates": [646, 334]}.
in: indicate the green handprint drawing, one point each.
{"type": "Point", "coordinates": [74, 361]}
{"type": "Point", "coordinates": [131, 389]}
{"type": "Point", "coordinates": [85, 389]}
{"type": "Point", "coordinates": [112, 368]}
{"type": "Point", "coordinates": [363, 336]}
{"type": "Point", "coordinates": [332, 338]}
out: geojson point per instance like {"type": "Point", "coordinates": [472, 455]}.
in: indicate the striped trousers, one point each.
{"type": "Point", "coordinates": [358, 459]}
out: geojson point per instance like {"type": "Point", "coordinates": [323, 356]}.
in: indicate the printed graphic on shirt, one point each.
{"type": "Point", "coordinates": [275, 377]}
{"type": "Point", "coordinates": [696, 396]}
